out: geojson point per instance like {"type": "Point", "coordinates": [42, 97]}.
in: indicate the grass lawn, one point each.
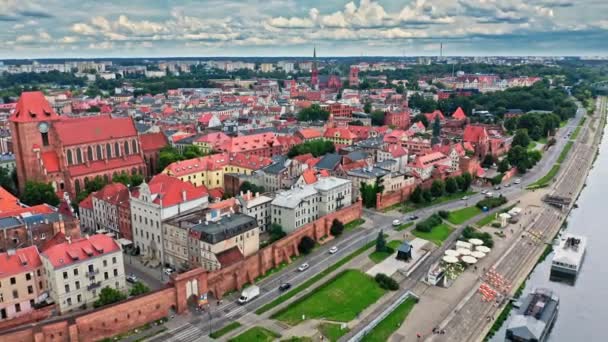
{"type": "Point", "coordinates": [542, 140]}
{"type": "Point", "coordinates": [257, 334]}
{"type": "Point", "coordinates": [437, 235]}
{"type": "Point", "coordinates": [353, 224]}
{"type": "Point", "coordinates": [391, 323]}
{"type": "Point", "coordinates": [340, 299]}
{"type": "Point", "coordinates": [462, 215]}
{"type": "Point", "coordinates": [225, 329]}
{"type": "Point", "coordinates": [409, 206]}
{"type": "Point", "coordinates": [485, 220]}
{"type": "Point", "coordinates": [546, 179]}
{"type": "Point", "coordinates": [564, 153]}
{"type": "Point", "coordinates": [531, 146]}
{"type": "Point", "coordinates": [404, 226]}
{"type": "Point", "coordinates": [332, 331]}
{"type": "Point", "coordinates": [308, 283]}
{"type": "Point", "coordinates": [378, 257]}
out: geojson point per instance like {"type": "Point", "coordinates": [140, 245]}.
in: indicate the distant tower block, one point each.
{"type": "Point", "coordinates": [314, 79]}
{"type": "Point", "coordinates": [353, 76]}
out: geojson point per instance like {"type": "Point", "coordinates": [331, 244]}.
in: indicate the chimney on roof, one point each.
{"type": "Point", "coordinates": [184, 197]}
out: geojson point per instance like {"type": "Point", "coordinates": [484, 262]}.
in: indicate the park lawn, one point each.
{"type": "Point", "coordinates": [332, 331]}
{"type": "Point", "coordinates": [378, 257]}
{"type": "Point", "coordinates": [224, 330]}
{"type": "Point", "coordinates": [353, 224]}
{"type": "Point", "coordinates": [437, 235]}
{"type": "Point", "coordinates": [564, 153]}
{"type": "Point", "coordinates": [391, 323]}
{"type": "Point", "coordinates": [462, 215]}
{"type": "Point", "coordinates": [258, 334]}
{"type": "Point", "coordinates": [409, 206]}
{"type": "Point", "coordinates": [340, 299]}
{"type": "Point", "coordinates": [404, 226]}
{"type": "Point", "coordinates": [485, 220]}
{"type": "Point", "coordinates": [531, 146]}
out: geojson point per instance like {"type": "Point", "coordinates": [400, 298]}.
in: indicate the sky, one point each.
{"type": "Point", "coordinates": [183, 28]}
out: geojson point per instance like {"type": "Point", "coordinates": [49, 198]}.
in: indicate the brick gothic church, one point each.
{"type": "Point", "coordinates": [67, 152]}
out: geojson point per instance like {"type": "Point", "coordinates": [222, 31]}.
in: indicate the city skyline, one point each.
{"type": "Point", "coordinates": [70, 29]}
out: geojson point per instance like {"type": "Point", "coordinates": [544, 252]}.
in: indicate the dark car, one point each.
{"type": "Point", "coordinates": [284, 287]}
{"type": "Point", "coordinates": [413, 217]}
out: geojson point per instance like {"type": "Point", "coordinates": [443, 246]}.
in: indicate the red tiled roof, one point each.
{"type": "Point", "coordinates": [214, 139]}
{"type": "Point", "coordinates": [309, 176]}
{"type": "Point", "coordinates": [50, 161]}
{"type": "Point", "coordinates": [66, 253]}
{"type": "Point", "coordinates": [431, 116]}
{"type": "Point", "coordinates": [459, 114]}
{"type": "Point", "coordinates": [23, 260]}
{"type": "Point", "coordinates": [230, 256]}
{"type": "Point", "coordinates": [37, 209]}
{"type": "Point", "coordinates": [33, 106]}
{"type": "Point", "coordinates": [312, 161]}
{"type": "Point", "coordinates": [153, 141]}
{"type": "Point", "coordinates": [114, 193]}
{"type": "Point", "coordinates": [8, 202]}
{"type": "Point", "coordinates": [251, 142]}
{"type": "Point", "coordinates": [225, 204]}
{"type": "Point", "coordinates": [340, 133]}
{"type": "Point", "coordinates": [216, 193]}
{"type": "Point", "coordinates": [188, 166]}
{"type": "Point", "coordinates": [248, 161]}
{"type": "Point", "coordinates": [474, 134]}
{"type": "Point", "coordinates": [87, 203]}
{"type": "Point", "coordinates": [171, 190]}
{"type": "Point", "coordinates": [133, 160]}
{"type": "Point", "coordinates": [309, 133]}
{"type": "Point", "coordinates": [92, 129]}
{"type": "Point", "coordinates": [303, 157]}
{"type": "Point", "coordinates": [56, 239]}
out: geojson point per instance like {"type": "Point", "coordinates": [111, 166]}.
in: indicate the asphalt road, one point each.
{"type": "Point", "coordinates": [197, 327]}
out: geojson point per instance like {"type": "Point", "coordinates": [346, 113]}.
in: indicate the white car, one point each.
{"type": "Point", "coordinates": [303, 267]}
{"type": "Point", "coordinates": [484, 191]}
{"type": "Point", "coordinates": [396, 223]}
{"type": "Point", "coordinates": [168, 271]}
{"type": "Point", "coordinates": [464, 198]}
{"type": "Point", "coordinates": [333, 250]}
{"type": "Point", "coordinates": [517, 181]}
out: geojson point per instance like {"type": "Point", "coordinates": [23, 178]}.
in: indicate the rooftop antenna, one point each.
{"type": "Point", "coordinates": [441, 51]}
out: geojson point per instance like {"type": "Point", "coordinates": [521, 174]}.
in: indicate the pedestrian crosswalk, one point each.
{"type": "Point", "coordinates": [190, 334]}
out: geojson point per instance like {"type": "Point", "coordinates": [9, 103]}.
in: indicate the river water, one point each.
{"type": "Point", "coordinates": [583, 306]}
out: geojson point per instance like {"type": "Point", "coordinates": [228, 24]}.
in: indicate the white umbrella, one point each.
{"type": "Point", "coordinates": [469, 259]}
{"type": "Point", "coordinates": [478, 254]}
{"type": "Point", "coordinates": [476, 242]}
{"type": "Point", "coordinates": [483, 249]}
{"type": "Point", "coordinates": [452, 252]}
{"type": "Point", "coordinates": [450, 259]}
{"type": "Point", "coordinates": [463, 251]}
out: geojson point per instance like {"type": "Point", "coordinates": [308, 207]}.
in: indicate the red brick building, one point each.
{"type": "Point", "coordinates": [353, 76]}
{"type": "Point", "coordinates": [67, 152]}
{"type": "Point", "coordinates": [340, 110]}
{"type": "Point", "coordinates": [151, 144]}
{"type": "Point", "coordinates": [399, 120]}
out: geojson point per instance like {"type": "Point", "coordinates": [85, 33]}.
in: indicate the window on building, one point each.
{"type": "Point", "coordinates": [105, 263]}
{"type": "Point", "coordinates": [79, 298]}
{"type": "Point", "coordinates": [134, 142]}
{"type": "Point", "coordinates": [69, 156]}
{"type": "Point", "coordinates": [30, 289]}
{"type": "Point", "coordinates": [108, 151]}
{"type": "Point", "coordinates": [116, 150]}
{"type": "Point", "coordinates": [45, 138]}
{"type": "Point", "coordinates": [69, 301]}
{"type": "Point", "coordinates": [77, 285]}
{"type": "Point", "coordinates": [18, 307]}
{"type": "Point", "coordinates": [13, 281]}
{"type": "Point", "coordinates": [90, 153]}
{"type": "Point", "coordinates": [75, 272]}
{"type": "Point", "coordinates": [99, 154]}
{"type": "Point", "coordinates": [79, 155]}
{"type": "Point", "coordinates": [67, 288]}
{"type": "Point", "coordinates": [126, 147]}
{"type": "Point", "coordinates": [116, 272]}
{"type": "Point", "coordinates": [114, 260]}
{"type": "Point", "coordinates": [15, 294]}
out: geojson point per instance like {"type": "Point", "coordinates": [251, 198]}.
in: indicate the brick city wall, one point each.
{"type": "Point", "coordinates": [32, 316]}
{"type": "Point", "coordinates": [384, 201]}
{"type": "Point", "coordinates": [122, 317]}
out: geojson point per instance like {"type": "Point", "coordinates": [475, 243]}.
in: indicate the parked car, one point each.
{"type": "Point", "coordinates": [488, 194]}
{"type": "Point", "coordinates": [464, 198]}
{"type": "Point", "coordinates": [413, 217]}
{"type": "Point", "coordinates": [333, 250]}
{"type": "Point", "coordinates": [131, 278]}
{"type": "Point", "coordinates": [284, 287]}
{"type": "Point", "coordinates": [303, 267]}
{"type": "Point", "coordinates": [517, 181]}
{"type": "Point", "coordinates": [248, 294]}
{"type": "Point", "coordinates": [484, 191]}
{"type": "Point", "coordinates": [396, 223]}
{"type": "Point", "coordinates": [168, 271]}
{"type": "Point", "coordinates": [497, 187]}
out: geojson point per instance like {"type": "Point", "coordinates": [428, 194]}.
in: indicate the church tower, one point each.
{"type": "Point", "coordinates": [314, 79]}
{"type": "Point", "coordinates": [31, 134]}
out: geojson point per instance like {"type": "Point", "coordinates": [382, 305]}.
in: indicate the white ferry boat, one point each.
{"type": "Point", "coordinates": [569, 254]}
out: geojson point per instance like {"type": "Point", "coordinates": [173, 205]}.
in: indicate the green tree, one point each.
{"type": "Point", "coordinates": [315, 147]}
{"type": "Point", "coordinates": [313, 113]}
{"type": "Point", "coordinates": [400, 89]}
{"type": "Point", "coordinates": [247, 186]}
{"type": "Point", "coordinates": [367, 107]}
{"type": "Point", "coordinates": [136, 179]}
{"type": "Point", "coordinates": [427, 196]}
{"type": "Point", "coordinates": [381, 242]}
{"type": "Point", "coordinates": [450, 185]}
{"type": "Point", "coordinates": [192, 151]}
{"type": "Point", "coordinates": [503, 165]}
{"type": "Point", "coordinates": [518, 157]}
{"type": "Point", "coordinates": [416, 196]}
{"type": "Point", "coordinates": [276, 232]}
{"type": "Point", "coordinates": [337, 227]}
{"type": "Point", "coordinates": [422, 118]}
{"type": "Point", "coordinates": [488, 160]}
{"type": "Point", "coordinates": [122, 177]}
{"type": "Point", "coordinates": [95, 184]}
{"type": "Point", "coordinates": [467, 180]}
{"type": "Point", "coordinates": [39, 193]}
{"type": "Point", "coordinates": [167, 156]}
{"type": "Point", "coordinates": [436, 130]}
{"type": "Point", "coordinates": [378, 118]}
{"type": "Point", "coordinates": [138, 288]}
{"type": "Point", "coordinates": [108, 296]}
{"type": "Point", "coordinates": [437, 188]}
{"type": "Point", "coordinates": [7, 182]}
{"type": "Point", "coordinates": [306, 245]}
{"type": "Point", "coordinates": [521, 138]}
